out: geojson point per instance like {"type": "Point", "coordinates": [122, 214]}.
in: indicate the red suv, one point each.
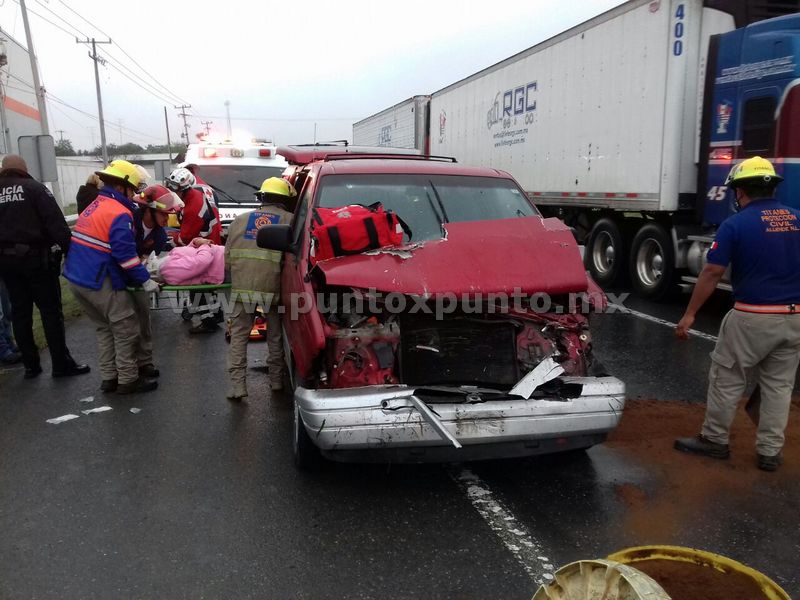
{"type": "Point", "coordinates": [466, 341]}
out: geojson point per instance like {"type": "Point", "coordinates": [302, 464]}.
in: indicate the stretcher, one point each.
{"type": "Point", "coordinates": [183, 295]}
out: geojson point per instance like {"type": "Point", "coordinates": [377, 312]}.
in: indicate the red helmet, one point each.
{"type": "Point", "coordinates": [161, 199]}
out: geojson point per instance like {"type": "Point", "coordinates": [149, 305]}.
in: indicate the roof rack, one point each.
{"type": "Point", "coordinates": [359, 156]}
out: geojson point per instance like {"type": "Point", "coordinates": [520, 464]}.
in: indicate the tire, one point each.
{"type": "Point", "coordinates": [307, 456]}
{"type": "Point", "coordinates": [605, 253]}
{"type": "Point", "coordinates": [652, 262]}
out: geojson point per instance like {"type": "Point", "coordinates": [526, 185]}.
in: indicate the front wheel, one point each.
{"type": "Point", "coordinates": [652, 262]}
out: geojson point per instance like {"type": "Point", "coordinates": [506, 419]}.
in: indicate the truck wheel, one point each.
{"type": "Point", "coordinates": [306, 455]}
{"type": "Point", "coordinates": [652, 262]}
{"type": "Point", "coordinates": [605, 253]}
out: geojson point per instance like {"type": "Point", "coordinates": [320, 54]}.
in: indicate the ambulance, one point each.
{"type": "Point", "coordinates": [234, 169]}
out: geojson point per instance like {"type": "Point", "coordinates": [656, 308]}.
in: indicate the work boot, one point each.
{"type": "Point", "coordinates": [71, 368]}
{"type": "Point", "coordinates": [34, 371]}
{"type": "Point", "coordinates": [149, 371]}
{"type": "Point", "coordinates": [138, 386]}
{"type": "Point", "coordinates": [12, 358]}
{"type": "Point", "coordinates": [109, 385]}
{"type": "Point", "coordinates": [770, 463]}
{"type": "Point", "coordinates": [205, 326]}
{"type": "Point", "coordinates": [700, 445]}
{"type": "Point", "coordinates": [236, 393]}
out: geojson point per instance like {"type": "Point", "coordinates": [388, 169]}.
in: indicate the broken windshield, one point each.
{"type": "Point", "coordinates": [425, 202]}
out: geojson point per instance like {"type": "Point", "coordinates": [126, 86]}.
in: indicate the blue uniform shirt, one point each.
{"type": "Point", "coordinates": [762, 245]}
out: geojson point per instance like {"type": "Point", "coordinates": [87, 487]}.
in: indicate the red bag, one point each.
{"type": "Point", "coordinates": [354, 229]}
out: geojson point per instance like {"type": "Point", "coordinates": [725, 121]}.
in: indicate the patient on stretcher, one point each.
{"type": "Point", "coordinates": [201, 262]}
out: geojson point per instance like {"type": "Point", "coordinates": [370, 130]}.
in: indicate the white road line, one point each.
{"type": "Point", "coordinates": [646, 317]}
{"type": "Point", "coordinates": [528, 551]}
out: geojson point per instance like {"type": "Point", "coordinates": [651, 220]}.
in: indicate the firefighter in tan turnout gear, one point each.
{"type": "Point", "coordinates": [256, 279]}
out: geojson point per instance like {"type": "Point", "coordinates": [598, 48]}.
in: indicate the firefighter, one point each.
{"type": "Point", "coordinates": [156, 203]}
{"type": "Point", "coordinates": [200, 218]}
{"type": "Point", "coordinates": [255, 279]}
{"type": "Point", "coordinates": [31, 226]}
{"type": "Point", "coordinates": [101, 263]}
{"type": "Point", "coordinates": [761, 243]}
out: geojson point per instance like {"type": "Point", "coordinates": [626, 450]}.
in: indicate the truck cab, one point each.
{"type": "Point", "coordinates": [751, 108]}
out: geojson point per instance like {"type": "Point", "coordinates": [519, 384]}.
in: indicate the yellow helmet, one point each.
{"type": "Point", "coordinates": [753, 170]}
{"type": "Point", "coordinates": [121, 171]}
{"type": "Point", "coordinates": [277, 186]}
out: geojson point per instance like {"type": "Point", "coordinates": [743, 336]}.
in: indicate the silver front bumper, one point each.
{"type": "Point", "coordinates": [383, 417]}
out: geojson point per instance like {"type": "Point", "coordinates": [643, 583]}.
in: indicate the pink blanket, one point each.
{"type": "Point", "coordinates": [187, 265]}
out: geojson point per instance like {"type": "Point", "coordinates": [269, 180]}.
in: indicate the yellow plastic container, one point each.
{"type": "Point", "coordinates": [630, 556]}
{"type": "Point", "coordinates": [600, 580]}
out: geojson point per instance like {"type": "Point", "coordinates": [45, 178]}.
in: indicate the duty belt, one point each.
{"type": "Point", "coordinates": [768, 309]}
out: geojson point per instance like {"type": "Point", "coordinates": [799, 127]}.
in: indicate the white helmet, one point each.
{"type": "Point", "coordinates": [180, 179]}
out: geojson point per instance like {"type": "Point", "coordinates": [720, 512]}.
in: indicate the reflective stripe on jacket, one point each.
{"type": "Point", "coordinates": [103, 244]}
{"type": "Point", "coordinates": [254, 270]}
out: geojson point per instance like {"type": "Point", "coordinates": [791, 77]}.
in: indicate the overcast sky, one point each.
{"type": "Point", "coordinates": [282, 65]}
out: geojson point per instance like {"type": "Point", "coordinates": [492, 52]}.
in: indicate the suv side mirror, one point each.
{"type": "Point", "coordinates": [275, 237]}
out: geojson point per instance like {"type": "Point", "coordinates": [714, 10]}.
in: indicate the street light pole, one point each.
{"type": "Point", "coordinates": [40, 99]}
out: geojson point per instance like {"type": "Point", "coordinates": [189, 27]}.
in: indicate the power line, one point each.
{"type": "Point", "coordinates": [121, 49]}
{"type": "Point", "coordinates": [279, 119]}
{"type": "Point", "coordinates": [140, 83]}
{"type": "Point", "coordinates": [94, 117]}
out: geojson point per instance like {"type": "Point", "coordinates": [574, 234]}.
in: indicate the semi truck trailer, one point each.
{"type": "Point", "coordinates": [627, 125]}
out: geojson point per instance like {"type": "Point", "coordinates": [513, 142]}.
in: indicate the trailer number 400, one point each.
{"type": "Point", "coordinates": [677, 46]}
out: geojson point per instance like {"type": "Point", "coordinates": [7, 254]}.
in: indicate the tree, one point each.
{"type": "Point", "coordinates": [64, 148]}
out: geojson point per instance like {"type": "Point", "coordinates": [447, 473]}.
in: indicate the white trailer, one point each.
{"type": "Point", "coordinates": [403, 125]}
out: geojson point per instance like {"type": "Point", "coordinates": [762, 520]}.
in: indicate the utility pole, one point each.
{"type": "Point", "coordinates": [169, 144]}
{"type": "Point", "coordinates": [228, 113]}
{"type": "Point", "coordinates": [183, 114]}
{"type": "Point", "coordinates": [60, 133]}
{"type": "Point", "coordinates": [37, 85]}
{"type": "Point", "coordinates": [207, 125]}
{"type": "Point", "coordinates": [97, 59]}
{"type": "Point", "coordinates": [120, 131]}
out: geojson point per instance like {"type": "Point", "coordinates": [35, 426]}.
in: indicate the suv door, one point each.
{"type": "Point", "coordinates": [302, 323]}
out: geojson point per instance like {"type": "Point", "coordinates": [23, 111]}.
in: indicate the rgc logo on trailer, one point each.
{"type": "Point", "coordinates": [516, 102]}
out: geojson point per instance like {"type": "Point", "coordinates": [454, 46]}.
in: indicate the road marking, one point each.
{"type": "Point", "coordinates": [646, 317]}
{"type": "Point", "coordinates": [515, 536]}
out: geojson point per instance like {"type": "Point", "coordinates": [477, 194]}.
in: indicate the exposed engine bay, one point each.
{"type": "Point", "coordinates": [485, 348]}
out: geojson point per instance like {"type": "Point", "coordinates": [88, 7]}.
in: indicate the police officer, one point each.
{"type": "Point", "coordinates": [101, 263]}
{"type": "Point", "coordinates": [31, 225]}
{"type": "Point", "coordinates": [761, 243]}
{"type": "Point", "coordinates": [256, 278]}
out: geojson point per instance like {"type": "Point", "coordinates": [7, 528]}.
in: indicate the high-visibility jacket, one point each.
{"type": "Point", "coordinates": [254, 271]}
{"type": "Point", "coordinates": [103, 245]}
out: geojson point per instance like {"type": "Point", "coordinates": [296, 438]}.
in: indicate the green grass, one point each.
{"type": "Point", "coordinates": [71, 310]}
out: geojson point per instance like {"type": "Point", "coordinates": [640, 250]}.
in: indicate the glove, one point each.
{"type": "Point", "coordinates": [150, 286]}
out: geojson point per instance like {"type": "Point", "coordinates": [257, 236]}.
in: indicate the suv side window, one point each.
{"type": "Point", "coordinates": [758, 126]}
{"type": "Point", "coordinates": [299, 219]}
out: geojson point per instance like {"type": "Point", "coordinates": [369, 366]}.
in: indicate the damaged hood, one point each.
{"type": "Point", "coordinates": [529, 253]}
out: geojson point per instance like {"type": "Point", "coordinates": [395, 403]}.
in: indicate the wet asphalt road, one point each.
{"type": "Point", "coordinates": [197, 497]}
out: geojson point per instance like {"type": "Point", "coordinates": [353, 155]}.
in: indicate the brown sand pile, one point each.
{"type": "Point", "coordinates": [689, 581]}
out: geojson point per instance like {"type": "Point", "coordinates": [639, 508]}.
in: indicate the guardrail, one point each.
{"type": "Point", "coordinates": [71, 220]}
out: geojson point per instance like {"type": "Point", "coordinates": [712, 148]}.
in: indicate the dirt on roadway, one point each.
{"type": "Point", "coordinates": [686, 482]}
